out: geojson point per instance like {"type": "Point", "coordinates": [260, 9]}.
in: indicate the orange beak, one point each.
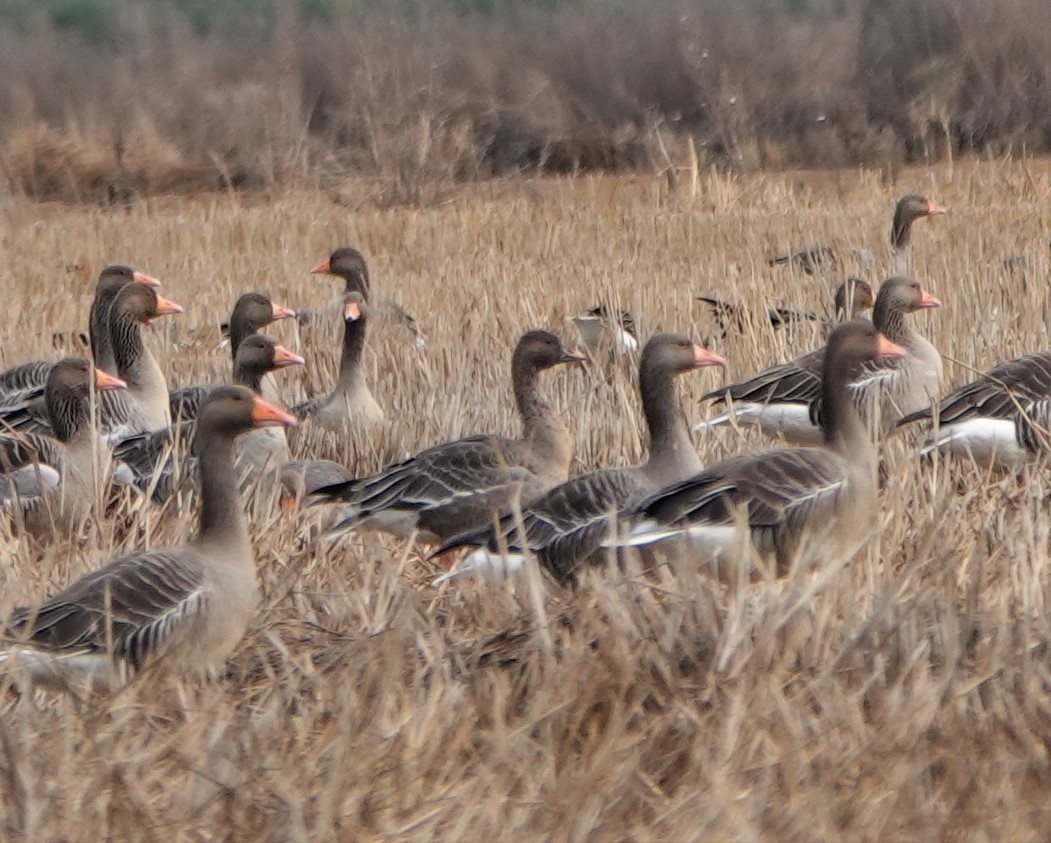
{"type": "Point", "coordinates": [283, 357]}
{"type": "Point", "coordinates": [351, 311]}
{"type": "Point", "coordinates": [322, 268]}
{"type": "Point", "coordinates": [287, 501]}
{"type": "Point", "coordinates": [927, 300]}
{"type": "Point", "coordinates": [104, 380]}
{"type": "Point", "coordinates": [703, 357]}
{"type": "Point", "coordinates": [282, 312]}
{"type": "Point", "coordinates": [265, 414]}
{"type": "Point", "coordinates": [148, 280]}
{"type": "Point", "coordinates": [935, 210]}
{"type": "Point", "coordinates": [166, 307]}
{"type": "Point", "coordinates": [887, 350]}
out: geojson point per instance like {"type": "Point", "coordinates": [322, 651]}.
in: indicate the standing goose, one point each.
{"type": "Point", "coordinates": [349, 264]}
{"type": "Point", "coordinates": [908, 209]}
{"type": "Point", "coordinates": [455, 486]}
{"type": "Point", "coordinates": [34, 373]}
{"type": "Point", "coordinates": [188, 606]}
{"type": "Point", "coordinates": [565, 526]}
{"type": "Point", "coordinates": [351, 401]}
{"type": "Point", "coordinates": [799, 506]}
{"type": "Point", "coordinates": [112, 280]}
{"type": "Point", "coordinates": [784, 400]}
{"type": "Point", "coordinates": [55, 476]}
{"type": "Point", "coordinates": [155, 458]}
{"type": "Point", "coordinates": [999, 419]}
{"type": "Point", "coordinates": [144, 405]}
{"type": "Point", "coordinates": [851, 297]}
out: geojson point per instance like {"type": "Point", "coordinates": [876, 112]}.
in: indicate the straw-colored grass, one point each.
{"type": "Point", "coordinates": [904, 697]}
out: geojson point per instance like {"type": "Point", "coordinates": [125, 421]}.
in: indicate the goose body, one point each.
{"type": "Point", "coordinates": [795, 507]}
{"type": "Point", "coordinates": [457, 485]}
{"type": "Point", "coordinates": [998, 418]}
{"type": "Point", "coordinates": [351, 402]}
{"type": "Point", "coordinates": [186, 606]}
{"type": "Point", "coordinates": [565, 526]}
{"type": "Point", "coordinates": [785, 401]}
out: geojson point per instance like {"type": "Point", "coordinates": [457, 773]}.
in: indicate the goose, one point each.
{"type": "Point", "coordinates": [779, 400]}
{"type": "Point", "coordinates": [907, 210]}
{"type": "Point", "coordinates": [597, 330]}
{"type": "Point", "coordinates": [349, 264]}
{"type": "Point", "coordinates": [351, 401]}
{"type": "Point", "coordinates": [851, 297]}
{"type": "Point", "coordinates": [25, 381]}
{"type": "Point", "coordinates": [451, 487]}
{"type": "Point", "coordinates": [184, 608]}
{"type": "Point", "coordinates": [52, 478]}
{"type": "Point", "coordinates": [154, 459]}
{"type": "Point", "coordinates": [1000, 419]}
{"type": "Point", "coordinates": [565, 526]}
{"type": "Point", "coordinates": [797, 506]}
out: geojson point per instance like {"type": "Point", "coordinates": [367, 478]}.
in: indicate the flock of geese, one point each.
{"type": "Point", "coordinates": [74, 429]}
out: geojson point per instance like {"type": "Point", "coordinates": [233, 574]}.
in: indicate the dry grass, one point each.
{"type": "Point", "coordinates": [905, 697]}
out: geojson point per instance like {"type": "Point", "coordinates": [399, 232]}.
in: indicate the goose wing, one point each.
{"type": "Point", "coordinates": [996, 394]}
{"type": "Point", "coordinates": [566, 525]}
{"type": "Point", "coordinates": [433, 476]}
{"type": "Point", "coordinates": [773, 488]}
{"type": "Point", "coordinates": [136, 602]}
{"type": "Point", "coordinates": [795, 382]}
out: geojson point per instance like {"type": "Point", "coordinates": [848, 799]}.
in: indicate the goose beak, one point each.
{"type": "Point", "coordinates": [283, 357]}
{"type": "Point", "coordinates": [265, 414]}
{"type": "Point", "coordinates": [166, 307]}
{"type": "Point", "coordinates": [104, 380]}
{"type": "Point", "coordinates": [148, 280]}
{"type": "Point", "coordinates": [322, 268]}
{"type": "Point", "coordinates": [935, 210]}
{"type": "Point", "coordinates": [351, 311]}
{"type": "Point", "coordinates": [927, 300]}
{"type": "Point", "coordinates": [282, 312]}
{"type": "Point", "coordinates": [703, 357]}
{"type": "Point", "coordinates": [887, 350]}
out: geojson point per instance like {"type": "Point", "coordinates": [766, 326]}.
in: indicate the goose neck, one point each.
{"type": "Point", "coordinates": [221, 517]}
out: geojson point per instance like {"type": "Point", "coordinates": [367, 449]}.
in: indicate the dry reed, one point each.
{"type": "Point", "coordinates": [905, 699]}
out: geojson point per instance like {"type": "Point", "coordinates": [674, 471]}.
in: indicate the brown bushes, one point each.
{"type": "Point", "coordinates": [423, 98]}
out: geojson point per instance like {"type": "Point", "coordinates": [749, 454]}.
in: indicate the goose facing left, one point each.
{"type": "Point", "coordinates": [185, 608]}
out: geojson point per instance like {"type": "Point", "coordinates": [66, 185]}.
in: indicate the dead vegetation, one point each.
{"type": "Point", "coordinates": [905, 697]}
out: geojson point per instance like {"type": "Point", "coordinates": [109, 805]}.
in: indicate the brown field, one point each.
{"type": "Point", "coordinates": [905, 697]}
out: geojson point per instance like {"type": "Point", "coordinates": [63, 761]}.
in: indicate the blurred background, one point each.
{"type": "Point", "coordinates": [110, 100]}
